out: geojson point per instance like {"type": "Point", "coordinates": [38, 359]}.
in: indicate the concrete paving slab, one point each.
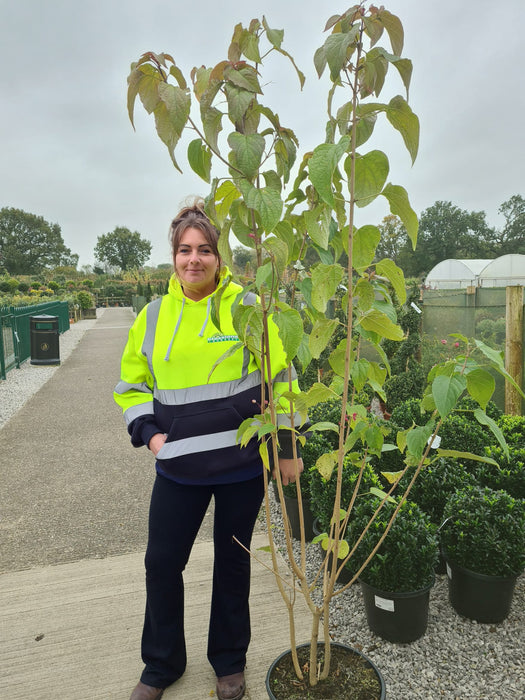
{"type": "Point", "coordinates": [73, 630]}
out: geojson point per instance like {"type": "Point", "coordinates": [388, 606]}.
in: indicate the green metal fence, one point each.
{"type": "Point", "coordinates": [477, 312]}
{"type": "Point", "coordinates": [15, 338]}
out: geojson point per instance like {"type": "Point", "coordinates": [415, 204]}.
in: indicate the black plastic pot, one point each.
{"type": "Point", "coordinates": [292, 510]}
{"type": "Point", "coordinates": [477, 596]}
{"type": "Point", "coordinates": [351, 652]}
{"type": "Point", "coordinates": [396, 617]}
{"type": "Point", "coordinates": [345, 576]}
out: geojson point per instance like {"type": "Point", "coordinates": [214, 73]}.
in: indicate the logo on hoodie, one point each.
{"type": "Point", "coordinates": [221, 338]}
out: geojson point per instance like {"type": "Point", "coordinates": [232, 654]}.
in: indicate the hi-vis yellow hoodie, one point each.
{"type": "Point", "coordinates": [165, 387]}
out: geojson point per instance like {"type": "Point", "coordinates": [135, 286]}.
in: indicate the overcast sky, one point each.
{"type": "Point", "coordinates": [68, 151]}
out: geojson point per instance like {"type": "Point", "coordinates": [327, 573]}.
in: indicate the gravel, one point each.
{"type": "Point", "coordinates": [457, 658]}
{"type": "Point", "coordinates": [20, 384]}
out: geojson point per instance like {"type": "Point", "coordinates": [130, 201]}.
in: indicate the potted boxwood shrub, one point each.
{"type": "Point", "coordinates": [396, 583]}
{"type": "Point", "coordinates": [509, 473]}
{"type": "Point", "coordinates": [483, 540]}
{"type": "Point", "coordinates": [313, 224]}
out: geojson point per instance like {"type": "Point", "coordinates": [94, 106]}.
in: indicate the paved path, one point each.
{"type": "Point", "coordinates": [72, 534]}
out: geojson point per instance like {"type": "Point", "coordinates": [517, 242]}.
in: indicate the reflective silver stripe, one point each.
{"type": "Point", "coordinates": [207, 392]}
{"type": "Point", "coordinates": [122, 387]}
{"type": "Point", "coordinates": [141, 409]}
{"type": "Point", "coordinates": [199, 443]}
{"type": "Point", "coordinates": [250, 299]}
{"type": "Point", "coordinates": [282, 376]}
{"type": "Point", "coordinates": [284, 419]}
{"type": "Point", "coordinates": [152, 315]}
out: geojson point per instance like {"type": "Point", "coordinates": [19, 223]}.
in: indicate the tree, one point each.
{"type": "Point", "coordinates": [446, 231]}
{"type": "Point", "coordinates": [394, 238]}
{"type": "Point", "coordinates": [512, 238]}
{"type": "Point", "coordinates": [318, 213]}
{"type": "Point", "coordinates": [30, 244]}
{"type": "Point", "coordinates": [244, 258]}
{"type": "Point", "coordinates": [123, 249]}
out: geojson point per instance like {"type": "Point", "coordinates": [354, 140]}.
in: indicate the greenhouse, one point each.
{"type": "Point", "coordinates": [505, 271]}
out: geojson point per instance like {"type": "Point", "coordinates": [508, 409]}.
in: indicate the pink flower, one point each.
{"type": "Point", "coordinates": [443, 342]}
{"type": "Point", "coordinates": [456, 345]}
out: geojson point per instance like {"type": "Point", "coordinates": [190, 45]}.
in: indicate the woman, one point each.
{"type": "Point", "coordinates": [188, 416]}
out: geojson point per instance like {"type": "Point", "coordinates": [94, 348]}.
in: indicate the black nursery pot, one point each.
{"type": "Point", "coordinates": [292, 509]}
{"type": "Point", "coordinates": [396, 617]}
{"type": "Point", "coordinates": [351, 656]}
{"type": "Point", "coordinates": [479, 597]}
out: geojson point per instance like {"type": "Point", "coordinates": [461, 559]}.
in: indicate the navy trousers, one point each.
{"type": "Point", "coordinates": [176, 513]}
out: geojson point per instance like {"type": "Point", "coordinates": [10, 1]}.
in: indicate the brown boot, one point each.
{"type": "Point", "coordinates": [231, 687]}
{"type": "Point", "coordinates": [146, 692]}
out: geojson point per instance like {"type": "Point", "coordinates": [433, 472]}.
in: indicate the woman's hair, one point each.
{"type": "Point", "coordinates": [193, 216]}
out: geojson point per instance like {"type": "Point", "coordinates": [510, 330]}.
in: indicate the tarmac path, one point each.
{"type": "Point", "coordinates": [73, 486]}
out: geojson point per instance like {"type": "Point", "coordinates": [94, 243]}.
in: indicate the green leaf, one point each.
{"type": "Point", "coordinates": [456, 454]}
{"type": "Point", "coordinates": [212, 125]}
{"type": "Point", "coordinates": [278, 251]}
{"type": "Point", "coordinates": [320, 335]}
{"type": "Point", "coordinates": [344, 549]}
{"type": "Point", "coordinates": [171, 115]}
{"type": "Point", "coordinates": [371, 172]}
{"type": "Point", "coordinates": [392, 477]}
{"type": "Point", "coordinates": [264, 277]}
{"type": "Point", "coordinates": [323, 164]}
{"type": "Point", "coordinates": [325, 280]}
{"type": "Point", "coordinates": [387, 268]}
{"type": "Point", "coordinates": [378, 322]}
{"type": "Point", "coordinates": [148, 87]}
{"type": "Point", "coordinates": [495, 356]}
{"type": "Point", "coordinates": [446, 392]}
{"type": "Point", "coordinates": [381, 494]}
{"type": "Point", "coordinates": [244, 77]}
{"type": "Point", "coordinates": [318, 225]}
{"type": "Point", "coordinates": [338, 49]}
{"type": "Point", "coordinates": [326, 463]}
{"type": "Point", "coordinates": [290, 326]}
{"type": "Point", "coordinates": [266, 202]}
{"type": "Point", "coordinates": [406, 122]}
{"type": "Point", "coordinates": [393, 26]}
{"type": "Point", "coordinates": [225, 195]}
{"type": "Point", "coordinates": [417, 439]}
{"type": "Point", "coordinates": [265, 457]}
{"type": "Point", "coordinates": [364, 244]}
{"type": "Point", "coordinates": [364, 294]}
{"type": "Point", "coordinates": [400, 206]}
{"type": "Point", "coordinates": [238, 101]}
{"type": "Point", "coordinates": [248, 150]}
{"type": "Point", "coordinates": [481, 385]}
{"type": "Point", "coordinates": [359, 373]}
{"type": "Point", "coordinates": [199, 158]}
{"type": "Point", "coordinates": [483, 419]}
{"type": "Point", "coordinates": [275, 36]}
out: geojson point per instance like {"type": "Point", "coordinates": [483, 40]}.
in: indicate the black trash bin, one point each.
{"type": "Point", "coordinates": [44, 340]}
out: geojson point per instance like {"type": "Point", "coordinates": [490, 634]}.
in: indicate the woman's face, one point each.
{"type": "Point", "coordinates": [196, 264]}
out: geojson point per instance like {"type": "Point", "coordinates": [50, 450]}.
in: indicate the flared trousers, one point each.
{"type": "Point", "coordinates": [176, 514]}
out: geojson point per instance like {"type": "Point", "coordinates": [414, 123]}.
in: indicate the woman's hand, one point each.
{"type": "Point", "coordinates": [287, 469]}
{"type": "Point", "coordinates": [156, 442]}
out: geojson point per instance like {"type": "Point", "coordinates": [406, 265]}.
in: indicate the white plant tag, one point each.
{"type": "Point", "coordinates": [384, 603]}
{"type": "Point", "coordinates": [449, 571]}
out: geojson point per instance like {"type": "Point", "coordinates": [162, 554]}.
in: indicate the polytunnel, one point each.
{"type": "Point", "coordinates": [455, 274]}
{"type": "Point", "coordinates": [505, 271]}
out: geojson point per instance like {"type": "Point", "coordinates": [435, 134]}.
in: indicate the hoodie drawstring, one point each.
{"type": "Point", "coordinates": [168, 352]}
{"type": "Point", "coordinates": [208, 306]}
